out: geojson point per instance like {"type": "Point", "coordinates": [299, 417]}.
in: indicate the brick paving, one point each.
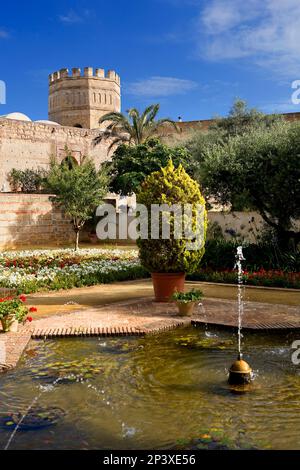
{"type": "Point", "coordinates": [12, 346]}
{"type": "Point", "coordinates": [135, 317]}
{"type": "Point", "coordinates": [143, 316]}
{"type": "Point", "coordinates": [257, 315]}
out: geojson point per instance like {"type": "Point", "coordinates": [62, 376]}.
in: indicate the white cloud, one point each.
{"type": "Point", "coordinates": [3, 33]}
{"type": "Point", "coordinates": [72, 16]}
{"type": "Point", "coordinates": [266, 32]}
{"type": "Point", "coordinates": [221, 15]}
{"type": "Point", "coordinates": [160, 86]}
{"type": "Point", "coordinates": [280, 107]}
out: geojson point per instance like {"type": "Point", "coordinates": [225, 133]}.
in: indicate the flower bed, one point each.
{"type": "Point", "coordinates": [267, 278]}
{"type": "Point", "coordinates": [30, 271]}
{"type": "Point", "coordinates": [61, 257]}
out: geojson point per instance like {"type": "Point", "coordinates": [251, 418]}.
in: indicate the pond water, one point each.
{"type": "Point", "coordinates": [155, 392]}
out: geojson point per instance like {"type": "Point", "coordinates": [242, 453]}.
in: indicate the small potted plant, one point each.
{"type": "Point", "coordinates": [14, 311]}
{"type": "Point", "coordinates": [186, 301]}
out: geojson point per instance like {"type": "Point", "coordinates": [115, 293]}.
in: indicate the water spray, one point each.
{"type": "Point", "coordinates": [240, 373]}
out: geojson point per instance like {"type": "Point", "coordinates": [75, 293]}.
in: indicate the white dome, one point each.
{"type": "Point", "coordinates": [17, 117]}
{"type": "Point", "coordinates": [45, 121]}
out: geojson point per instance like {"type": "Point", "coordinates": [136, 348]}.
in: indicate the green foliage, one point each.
{"type": "Point", "coordinates": [242, 119]}
{"type": "Point", "coordinates": [214, 231]}
{"type": "Point", "coordinates": [239, 123]}
{"type": "Point", "coordinates": [193, 295]}
{"type": "Point", "coordinates": [170, 186]}
{"type": "Point", "coordinates": [269, 278]}
{"type": "Point", "coordinates": [27, 272]}
{"type": "Point", "coordinates": [27, 181]}
{"type": "Point", "coordinates": [130, 165]}
{"type": "Point", "coordinates": [12, 309]}
{"type": "Point", "coordinates": [220, 255]}
{"type": "Point", "coordinates": [263, 166]}
{"type": "Point", "coordinates": [251, 161]}
{"type": "Point", "coordinates": [133, 129]}
{"type": "Point", "coordinates": [78, 190]}
{"type": "Point", "coordinates": [68, 281]}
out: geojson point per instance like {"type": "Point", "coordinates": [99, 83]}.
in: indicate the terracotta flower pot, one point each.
{"type": "Point", "coordinates": [185, 309]}
{"type": "Point", "coordinates": [165, 284]}
{"type": "Point", "coordinates": [14, 326]}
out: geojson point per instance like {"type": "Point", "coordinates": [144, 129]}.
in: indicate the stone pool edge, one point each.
{"type": "Point", "coordinates": [153, 318]}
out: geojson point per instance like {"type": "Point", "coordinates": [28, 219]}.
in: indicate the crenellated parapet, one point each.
{"type": "Point", "coordinates": [80, 97]}
{"type": "Point", "coordinates": [88, 72]}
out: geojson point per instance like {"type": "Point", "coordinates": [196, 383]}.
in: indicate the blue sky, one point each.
{"type": "Point", "coordinates": [192, 56]}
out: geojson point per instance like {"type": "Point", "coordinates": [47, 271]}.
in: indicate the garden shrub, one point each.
{"type": "Point", "coordinates": [27, 181]}
{"type": "Point", "coordinates": [170, 186]}
{"type": "Point", "coordinates": [220, 255]}
{"type": "Point", "coordinates": [130, 165]}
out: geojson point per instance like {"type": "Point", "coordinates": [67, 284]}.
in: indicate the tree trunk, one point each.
{"type": "Point", "coordinates": [76, 239]}
{"type": "Point", "coordinates": [285, 237]}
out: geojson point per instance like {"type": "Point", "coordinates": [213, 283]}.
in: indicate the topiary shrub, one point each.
{"type": "Point", "coordinates": [170, 186]}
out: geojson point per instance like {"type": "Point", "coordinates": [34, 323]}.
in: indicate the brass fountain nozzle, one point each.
{"type": "Point", "coordinates": [240, 373]}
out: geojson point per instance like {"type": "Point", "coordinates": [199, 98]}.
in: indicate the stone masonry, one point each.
{"type": "Point", "coordinates": [76, 102]}
{"type": "Point", "coordinates": [80, 100]}
{"type": "Point", "coordinates": [31, 144]}
{"type": "Point", "coordinates": [32, 220]}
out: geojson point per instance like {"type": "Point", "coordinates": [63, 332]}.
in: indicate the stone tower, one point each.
{"type": "Point", "coordinates": [80, 100]}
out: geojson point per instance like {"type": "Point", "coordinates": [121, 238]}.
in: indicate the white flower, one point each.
{"type": "Point", "coordinates": [91, 261]}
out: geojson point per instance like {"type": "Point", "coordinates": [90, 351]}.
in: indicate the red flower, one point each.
{"type": "Point", "coordinates": [33, 309]}
{"type": "Point", "coordinates": [29, 319]}
{"type": "Point", "coordinates": [4, 299]}
{"type": "Point", "coordinates": [22, 298]}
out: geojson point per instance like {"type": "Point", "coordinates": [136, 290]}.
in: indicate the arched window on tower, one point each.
{"type": "Point", "coordinates": [78, 125]}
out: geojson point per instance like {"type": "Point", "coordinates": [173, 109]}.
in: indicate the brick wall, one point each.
{"type": "Point", "coordinates": [32, 220]}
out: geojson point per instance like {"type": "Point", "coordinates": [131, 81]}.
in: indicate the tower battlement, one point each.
{"type": "Point", "coordinates": [79, 98]}
{"type": "Point", "coordinates": [88, 72]}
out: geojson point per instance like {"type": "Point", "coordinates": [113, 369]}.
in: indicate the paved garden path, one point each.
{"type": "Point", "coordinates": [128, 308]}
{"type": "Point", "coordinates": [53, 303]}
{"type": "Point", "coordinates": [144, 316]}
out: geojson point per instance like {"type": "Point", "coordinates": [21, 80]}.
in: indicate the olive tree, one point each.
{"type": "Point", "coordinates": [263, 165]}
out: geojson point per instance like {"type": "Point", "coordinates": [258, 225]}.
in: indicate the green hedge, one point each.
{"type": "Point", "coordinates": [270, 278]}
{"type": "Point", "coordinates": [220, 255]}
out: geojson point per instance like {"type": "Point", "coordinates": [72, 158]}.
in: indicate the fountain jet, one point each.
{"type": "Point", "coordinates": [240, 373]}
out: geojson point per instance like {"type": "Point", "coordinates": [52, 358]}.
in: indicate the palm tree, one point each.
{"type": "Point", "coordinates": [133, 129]}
